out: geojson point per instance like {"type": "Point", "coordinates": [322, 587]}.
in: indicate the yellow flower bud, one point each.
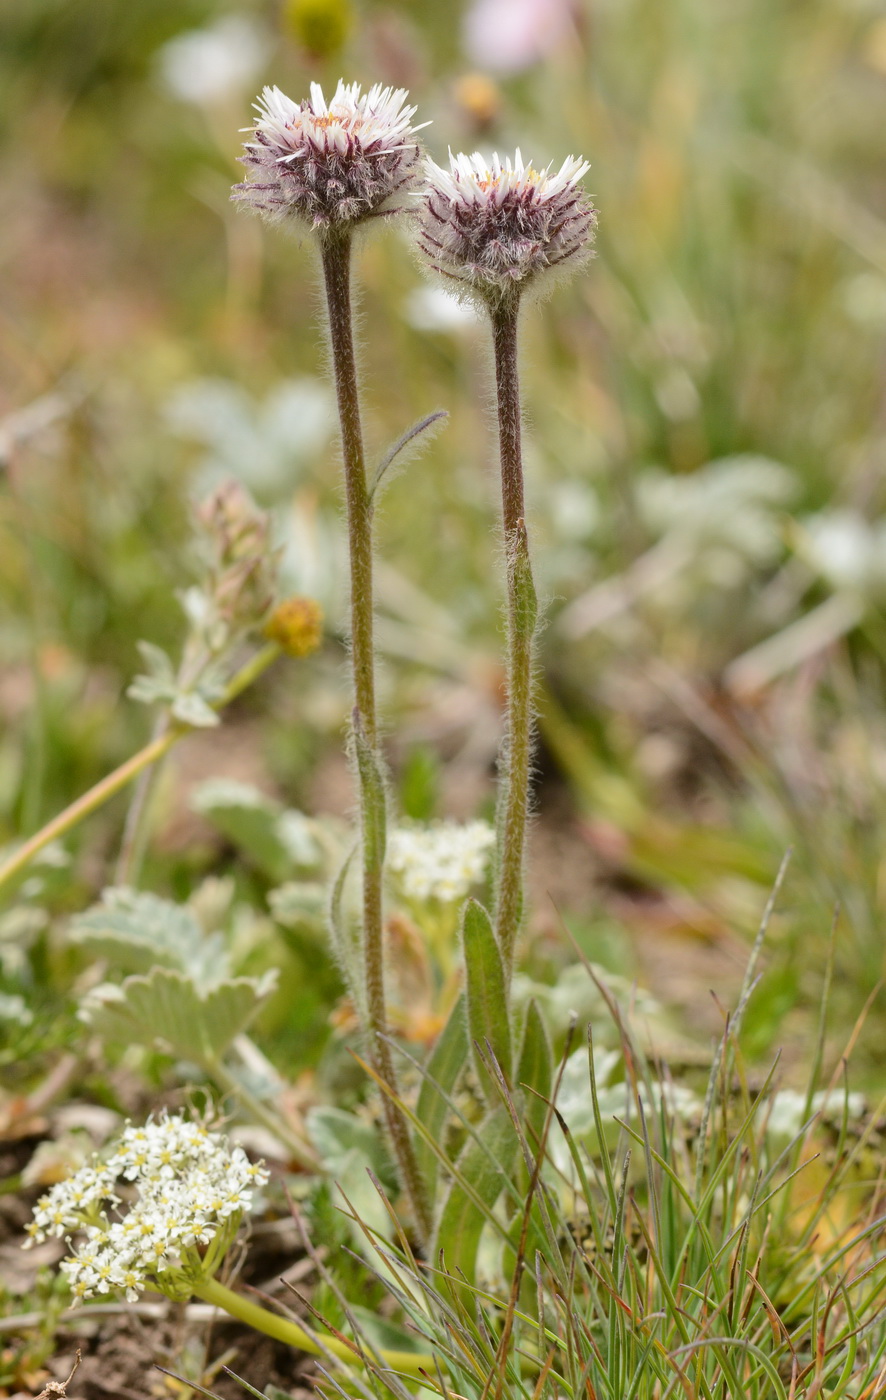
{"type": "Point", "coordinates": [296, 625]}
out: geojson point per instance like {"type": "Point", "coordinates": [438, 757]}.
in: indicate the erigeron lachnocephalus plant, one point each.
{"type": "Point", "coordinates": [495, 230]}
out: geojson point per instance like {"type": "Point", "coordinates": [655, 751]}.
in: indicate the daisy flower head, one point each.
{"type": "Point", "coordinates": [497, 226]}
{"type": "Point", "coordinates": [329, 164]}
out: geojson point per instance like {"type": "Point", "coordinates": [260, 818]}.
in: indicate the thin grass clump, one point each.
{"type": "Point", "coordinates": [695, 1257]}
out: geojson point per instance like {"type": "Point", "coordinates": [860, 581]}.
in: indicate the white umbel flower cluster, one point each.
{"type": "Point", "coordinates": [187, 1187]}
{"type": "Point", "coordinates": [439, 862]}
{"type": "Point", "coordinates": [496, 225]}
{"type": "Point", "coordinates": [330, 163]}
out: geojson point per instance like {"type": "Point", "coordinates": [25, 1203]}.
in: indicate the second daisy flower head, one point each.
{"type": "Point", "coordinates": [496, 226]}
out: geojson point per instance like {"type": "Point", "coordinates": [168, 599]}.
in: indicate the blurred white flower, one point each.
{"type": "Point", "coordinates": [314, 563]}
{"type": "Point", "coordinates": [441, 861]}
{"type": "Point", "coordinates": [14, 1009]}
{"type": "Point", "coordinates": [433, 309]}
{"type": "Point", "coordinates": [788, 1112]}
{"type": "Point", "coordinates": [574, 509]}
{"type": "Point", "coordinates": [864, 299]}
{"type": "Point", "coordinates": [849, 551]}
{"type": "Point", "coordinates": [505, 36]}
{"type": "Point", "coordinates": [207, 66]}
{"type": "Point", "coordinates": [676, 394]}
{"type": "Point", "coordinates": [727, 513]}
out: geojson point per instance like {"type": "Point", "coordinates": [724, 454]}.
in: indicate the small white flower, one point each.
{"type": "Point", "coordinates": [439, 862]}
{"type": "Point", "coordinates": [13, 1008]}
{"type": "Point", "coordinates": [434, 309]}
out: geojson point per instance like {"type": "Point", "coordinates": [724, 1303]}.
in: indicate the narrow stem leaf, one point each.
{"type": "Point", "coordinates": [418, 429]}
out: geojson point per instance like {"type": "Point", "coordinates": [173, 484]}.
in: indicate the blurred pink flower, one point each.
{"type": "Point", "coordinates": [504, 36]}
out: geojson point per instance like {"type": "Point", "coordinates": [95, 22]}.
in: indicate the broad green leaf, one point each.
{"type": "Point", "coordinates": [166, 1006]}
{"type": "Point", "coordinates": [299, 904]}
{"type": "Point", "coordinates": [147, 691]}
{"type": "Point", "coordinates": [535, 1071]}
{"type": "Point", "coordinates": [383, 1334]}
{"type": "Point", "coordinates": [444, 1067]}
{"type": "Point", "coordinates": [484, 1167]}
{"type": "Point", "coordinates": [486, 992]}
{"type": "Point", "coordinates": [420, 784]}
{"type": "Point", "coordinates": [250, 820]}
{"type": "Point", "coordinates": [160, 667]}
{"type": "Point", "coordinates": [137, 932]}
{"type": "Point", "coordinates": [296, 831]}
{"type": "Point", "coordinates": [159, 683]}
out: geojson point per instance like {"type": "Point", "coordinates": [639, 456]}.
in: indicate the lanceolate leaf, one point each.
{"type": "Point", "coordinates": [487, 1000]}
{"type": "Point", "coordinates": [276, 841]}
{"type": "Point", "coordinates": [443, 1070]}
{"type": "Point", "coordinates": [408, 440]}
{"type": "Point", "coordinates": [167, 1007]}
{"type": "Point", "coordinates": [484, 1167]}
{"type": "Point", "coordinates": [344, 936]}
{"type": "Point", "coordinates": [375, 808]}
{"type": "Point", "coordinates": [335, 1133]}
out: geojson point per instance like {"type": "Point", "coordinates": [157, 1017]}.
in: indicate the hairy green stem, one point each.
{"type": "Point", "coordinates": [521, 615]}
{"type": "Point", "coordinates": [412, 1363]}
{"type": "Point", "coordinates": [110, 785]}
{"type": "Point", "coordinates": [336, 256]}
